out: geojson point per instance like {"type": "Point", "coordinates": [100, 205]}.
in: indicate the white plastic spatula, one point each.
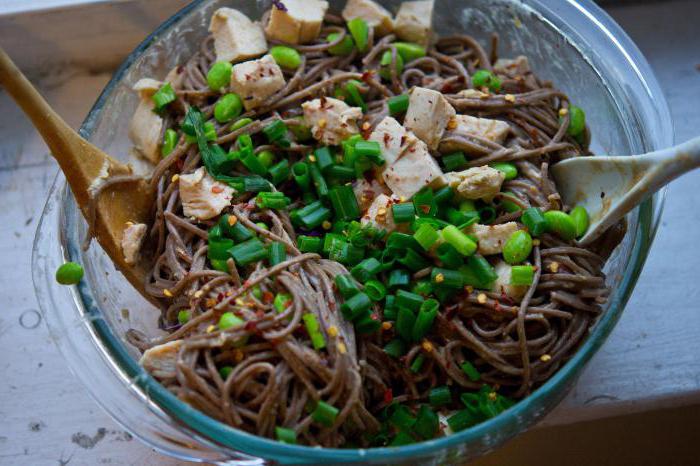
{"type": "Point", "coordinates": [609, 187]}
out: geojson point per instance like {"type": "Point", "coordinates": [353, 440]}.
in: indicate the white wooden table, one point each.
{"type": "Point", "coordinates": [650, 361]}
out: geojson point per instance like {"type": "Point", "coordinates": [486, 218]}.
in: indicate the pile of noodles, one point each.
{"type": "Point", "coordinates": [277, 374]}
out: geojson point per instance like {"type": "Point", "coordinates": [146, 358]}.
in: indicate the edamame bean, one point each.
{"type": "Point", "coordinates": [486, 78]}
{"type": "Point", "coordinates": [286, 57]}
{"type": "Point", "coordinates": [508, 169]}
{"type": "Point", "coordinates": [301, 132]}
{"type": "Point", "coordinates": [560, 223]}
{"type": "Point", "coordinates": [228, 107]}
{"type": "Point", "coordinates": [229, 320]}
{"type": "Point", "coordinates": [360, 32]}
{"type": "Point", "coordinates": [518, 247]}
{"type": "Point", "coordinates": [344, 47]}
{"type": "Point", "coordinates": [580, 217]}
{"type": "Point", "coordinates": [267, 158]}
{"type": "Point", "coordinates": [69, 273]}
{"type": "Point", "coordinates": [238, 124]}
{"type": "Point", "coordinates": [385, 65]}
{"type": "Point", "coordinates": [577, 121]}
{"type": "Point", "coordinates": [219, 75]}
{"type": "Point", "coordinates": [409, 51]}
{"type": "Point", "coordinates": [170, 140]}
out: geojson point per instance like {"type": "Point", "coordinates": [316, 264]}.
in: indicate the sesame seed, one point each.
{"type": "Point", "coordinates": [342, 349]}
{"type": "Point", "coordinates": [493, 396]}
{"type": "Point", "coordinates": [240, 302]}
{"type": "Point", "coordinates": [366, 125]}
{"type": "Point", "coordinates": [130, 224]}
{"type": "Point", "coordinates": [470, 289]}
{"type": "Point", "coordinates": [312, 158]}
{"type": "Point", "coordinates": [386, 325]}
{"type": "Point", "coordinates": [326, 225]}
{"type": "Point", "coordinates": [333, 331]}
{"type": "Point", "coordinates": [168, 293]}
{"type": "Point", "coordinates": [452, 124]}
{"type": "Point", "coordinates": [563, 112]}
{"type": "Point", "coordinates": [211, 328]}
{"type": "Point", "coordinates": [232, 219]}
{"type": "Point", "coordinates": [510, 98]}
{"type": "Point", "coordinates": [322, 123]}
{"type": "Point", "coordinates": [381, 211]}
{"type": "Point", "coordinates": [238, 355]}
{"type": "Point", "coordinates": [211, 302]}
{"type": "Point", "coordinates": [481, 298]}
{"type": "Point", "coordinates": [535, 242]}
{"type": "Point", "coordinates": [175, 178]}
{"type": "Point", "coordinates": [554, 267]}
{"type": "Point", "coordinates": [427, 346]}
{"type": "Point", "coordinates": [198, 293]}
{"type": "Point", "coordinates": [439, 278]}
{"type": "Point", "coordinates": [545, 358]}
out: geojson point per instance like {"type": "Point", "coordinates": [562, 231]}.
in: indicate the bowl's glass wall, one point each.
{"type": "Point", "coordinates": [569, 44]}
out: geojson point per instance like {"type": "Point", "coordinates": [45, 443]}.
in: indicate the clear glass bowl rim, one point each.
{"type": "Point", "coordinates": [254, 445]}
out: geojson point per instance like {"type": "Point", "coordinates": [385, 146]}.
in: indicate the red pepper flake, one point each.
{"type": "Point", "coordinates": [267, 297]}
{"type": "Point", "coordinates": [180, 164]}
{"type": "Point", "coordinates": [388, 395]}
{"type": "Point", "coordinates": [220, 297]}
{"type": "Point", "coordinates": [251, 326]}
{"type": "Point", "coordinates": [259, 313]}
{"type": "Point", "coordinates": [246, 283]}
{"type": "Point", "coordinates": [217, 189]}
{"type": "Point", "coordinates": [403, 140]}
{"type": "Point", "coordinates": [387, 139]}
{"type": "Point", "coordinates": [366, 76]}
{"type": "Point", "coordinates": [424, 208]}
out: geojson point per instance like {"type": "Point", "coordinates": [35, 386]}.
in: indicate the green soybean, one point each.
{"type": "Point", "coordinates": [409, 51]}
{"type": "Point", "coordinates": [286, 57]}
{"type": "Point", "coordinates": [508, 169]}
{"type": "Point", "coordinates": [518, 247]}
{"type": "Point", "coordinates": [238, 124]}
{"type": "Point", "coordinates": [486, 78]}
{"type": "Point", "coordinates": [344, 47]}
{"type": "Point", "coordinates": [228, 107]}
{"type": "Point", "coordinates": [580, 217]}
{"type": "Point", "coordinates": [560, 223]}
{"type": "Point", "coordinates": [385, 64]}
{"type": "Point", "coordinates": [219, 75]}
{"type": "Point", "coordinates": [577, 121]}
{"type": "Point", "coordinates": [360, 32]}
{"type": "Point", "coordinates": [267, 158]}
{"type": "Point", "coordinates": [170, 140]}
{"type": "Point", "coordinates": [69, 273]}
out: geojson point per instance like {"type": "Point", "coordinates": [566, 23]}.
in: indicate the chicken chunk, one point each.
{"type": "Point", "coordinates": [493, 130]}
{"type": "Point", "coordinates": [476, 183]}
{"type": "Point", "coordinates": [297, 22]}
{"type": "Point", "coordinates": [380, 214]}
{"type": "Point", "coordinates": [413, 22]}
{"type": "Point", "coordinates": [502, 284]}
{"type": "Point", "coordinates": [236, 37]}
{"type": "Point", "coordinates": [415, 170]}
{"type": "Point", "coordinates": [146, 125]}
{"type": "Point", "coordinates": [492, 237]}
{"type": "Point", "coordinates": [161, 360]}
{"type": "Point", "coordinates": [202, 196]}
{"type": "Point", "coordinates": [428, 115]}
{"type": "Point", "coordinates": [331, 120]}
{"type": "Point", "coordinates": [512, 66]}
{"type": "Point", "coordinates": [256, 80]}
{"type": "Point", "coordinates": [132, 240]}
{"type": "Point", "coordinates": [472, 94]}
{"type": "Point", "coordinates": [393, 139]}
{"type": "Point", "coordinates": [373, 13]}
{"type": "Point", "coordinates": [366, 191]}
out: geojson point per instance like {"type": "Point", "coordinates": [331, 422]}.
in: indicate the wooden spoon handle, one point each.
{"type": "Point", "coordinates": [80, 161]}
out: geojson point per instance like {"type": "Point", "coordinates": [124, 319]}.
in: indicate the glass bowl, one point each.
{"type": "Point", "coordinates": [573, 43]}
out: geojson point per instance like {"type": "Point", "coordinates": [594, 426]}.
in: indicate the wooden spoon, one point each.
{"type": "Point", "coordinates": [84, 166]}
{"type": "Point", "coordinates": [610, 186]}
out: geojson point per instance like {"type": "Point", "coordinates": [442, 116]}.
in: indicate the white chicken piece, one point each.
{"type": "Point", "coordinates": [472, 94]}
{"type": "Point", "coordinates": [415, 170]}
{"type": "Point", "coordinates": [373, 13]}
{"type": "Point", "coordinates": [393, 139]}
{"type": "Point", "coordinates": [493, 130]}
{"type": "Point", "coordinates": [476, 183]}
{"type": "Point", "coordinates": [502, 284]}
{"type": "Point", "coordinates": [492, 238]}
{"type": "Point", "coordinates": [297, 22]}
{"type": "Point", "coordinates": [516, 66]}
{"type": "Point", "coordinates": [236, 37]}
{"type": "Point", "coordinates": [161, 361]}
{"type": "Point", "coordinates": [414, 20]}
{"type": "Point", "coordinates": [366, 191]}
{"type": "Point", "coordinates": [132, 239]}
{"type": "Point", "coordinates": [146, 125]}
{"type": "Point", "coordinates": [256, 80]}
{"type": "Point", "coordinates": [331, 120]}
{"type": "Point", "coordinates": [202, 196]}
{"type": "Point", "coordinates": [428, 115]}
{"type": "Point", "coordinates": [380, 214]}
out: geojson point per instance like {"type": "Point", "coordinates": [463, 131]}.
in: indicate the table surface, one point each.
{"type": "Point", "coordinates": [650, 361]}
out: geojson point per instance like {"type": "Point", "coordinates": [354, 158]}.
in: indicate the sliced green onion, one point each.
{"type": "Point", "coordinates": [580, 217]}
{"type": "Point", "coordinates": [218, 248]}
{"type": "Point", "coordinates": [402, 417]}
{"type": "Point", "coordinates": [409, 51]}
{"type": "Point", "coordinates": [422, 287]}
{"type": "Point", "coordinates": [282, 302]}
{"type": "Point", "coordinates": [278, 253]}
{"type": "Point", "coordinates": [487, 214]}
{"type": "Point", "coordinates": [354, 96]}
{"type": "Point", "coordinates": [360, 33]}
{"type": "Point", "coordinates": [424, 201]}
{"type": "Point", "coordinates": [462, 420]}
{"type": "Point", "coordinates": [356, 306]}
{"type": "Point", "coordinates": [300, 171]}
{"type": "Point", "coordinates": [170, 140]}
{"type": "Point", "coordinates": [276, 133]}
{"type": "Point", "coordinates": [69, 273]}
{"type": "Point", "coordinates": [256, 184]}
{"type": "Point", "coordinates": [324, 414]}
{"type": "Point", "coordinates": [449, 256]}
{"type": "Point", "coordinates": [522, 275]}
{"type": "Point", "coordinates": [398, 104]}
{"type": "Point", "coordinates": [279, 172]}
{"type": "Point", "coordinates": [405, 321]}
{"type": "Point", "coordinates": [443, 195]}
{"type": "Point", "coordinates": [425, 319]}
{"type": "Point", "coordinates": [229, 320]}
{"type": "Point", "coordinates": [301, 132]}
{"type": "Point", "coordinates": [323, 158]}
{"type": "Point", "coordinates": [272, 200]}
{"type": "Point", "coordinates": [346, 253]}
{"type": "Point", "coordinates": [508, 169]}
{"type": "Point", "coordinates": [366, 269]}
{"type": "Point", "coordinates": [458, 240]}
{"type": "Point", "coordinates": [286, 57]}
{"type": "Point", "coordinates": [252, 163]}
{"type": "Point", "coordinates": [413, 261]}
{"type": "Point", "coordinates": [344, 202]}
{"type": "Point", "coordinates": [507, 204]}
{"type": "Point", "coordinates": [340, 173]}
{"type": "Point", "coordinates": [471, 372]}
{"type": "Point", "coordinates": [344, 47]}
{"type": "Point", "coordinates": [311, 216]}
{"type": "Point", "coordinates": [375, 290]}
{"type": "Point", "coordinates": [235, 230]}
{"type": "Point", "coordinates": [560, 223]}
{"type": "Point", "coordinates": [518, 247]}
{"type": "Point", "coordinates": [486, 78]}
{"type": "Point", "coordinates": [403, 213]}
{"type": "Point", "coordinates": [285, 435]}
{"type": "Point", "coordinates": [225, 371]}
{"type": "Point", "coordinates": [481, 268]}
{"type": "Point", "coordinates": [417, 363]}
{"type": "Point", "coordinates": [219, 75]}
{"type": "Point", "coordinates": [440, 396]}
{"type": "Point", "coordinates": [368, 324]}
{"type": "Point", "coordinates": [248, 252]}
{"type": "Point", "coordinates": [426, 236]}
{"type": "Point", "coordinates": [534, 220]}
{"type": "Point", "coordinates": [395, 348]}
{"type": "Point", "coordinates": [400, 241]}
{"type": "Point", "coordinates": [314, 331]}
{"type": "Point", "coordinates": [309, 243]}
{"type": "Point", "coordinates": [446, 278]}
{"type": "Point", "coordinates": [427, 422]}
{"type": "Point", "coordinates": [399, 278]}
{"type": "Point", "coordinates": [402, 438]}
{"type": "Point", "coordinates": [163, 97]}
{"type": "Point", "coordinates": [319, 181]}
{"type": "Point", "coordinates": [409, 300]}
{"type": "Point", "coordinates": [267, 158]}
{"type": "Point", "coordinates": [370, 149]}
{"type": "Point", "coordinates": [454, 162]}
{"type": "Point", "coordinates": [228, 107]}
